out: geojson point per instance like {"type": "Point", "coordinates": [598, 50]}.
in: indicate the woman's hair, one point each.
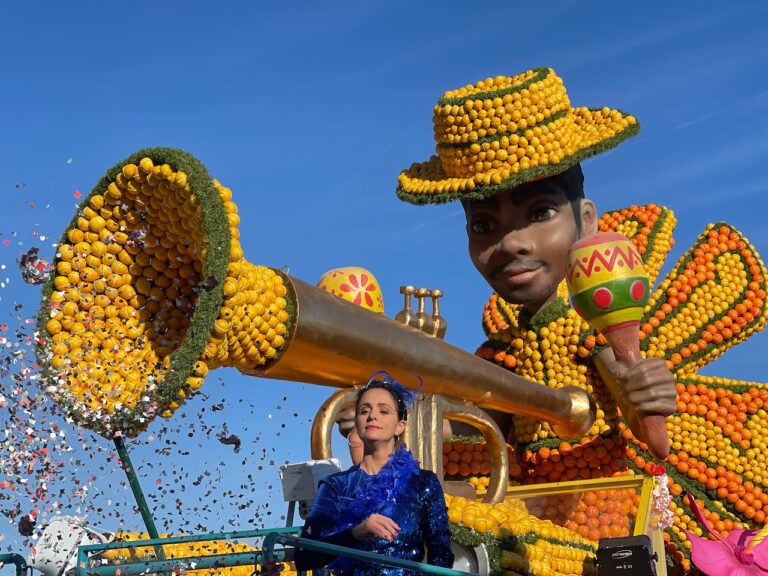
{"type": "Point", "coordinates": [403, 397]}
{"type": "Point", "coordinates": [402, 410]}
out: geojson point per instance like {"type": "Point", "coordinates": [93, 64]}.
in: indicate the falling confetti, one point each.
{"type": "Point", "coordinates": [34, 270]}
{"type": "Point", "coordinates": [49, 466]}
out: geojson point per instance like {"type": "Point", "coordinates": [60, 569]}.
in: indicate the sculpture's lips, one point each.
{"type": "Point", "coordinates": [518, 274]}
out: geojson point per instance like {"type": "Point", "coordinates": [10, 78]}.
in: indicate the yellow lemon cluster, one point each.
{"type": "Point", "coordinates": [545, 555]}
{"type": "Point", "coordinates": [549, 357]}
{"type": "Point", "coordinates": [251, 327]}
{"type": "Point", "coordinates": [544, 558]}
{"type": "Point", "coordinates": [507, 112]}
{"type": "Point", "coordinates": [188, 550]}
{"type": "Point", "coordinates": [490, 85]}
{"type": "Point", "coordinates": [509, 518]}
{"type": "Point", "coordinates": [488, 133]}
{"type": "Point", "coordinates": [124, 289]}
{"type": "Point", "coordinates": [127, 285]}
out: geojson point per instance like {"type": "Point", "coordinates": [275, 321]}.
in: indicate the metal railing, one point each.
{"type": "Point", "coordinates": [287, 537]}
{"type": "Point", "coordinates": [18, 560]}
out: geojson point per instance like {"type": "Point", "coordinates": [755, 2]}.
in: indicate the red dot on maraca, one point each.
{"type": "Point", "coordinates": [602, 298]}
{"type": "Point", "coordinates": [637, 291]}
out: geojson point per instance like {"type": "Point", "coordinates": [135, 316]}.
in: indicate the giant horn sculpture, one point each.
{"type": "Point", "coordinates": [151, 291]}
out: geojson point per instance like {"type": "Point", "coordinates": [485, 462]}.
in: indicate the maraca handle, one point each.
{"type": "Point", "coordinates": [653, 427]}
{"type": "Point", "coordinates": [656, 435]}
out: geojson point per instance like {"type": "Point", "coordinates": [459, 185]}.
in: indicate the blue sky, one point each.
{"type": "Point", "coordinates": [308, 111]}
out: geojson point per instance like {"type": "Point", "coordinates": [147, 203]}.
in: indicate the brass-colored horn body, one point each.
{"type": "Point", "coordinates": [151, 291]}
{"type": "Point", "coordinates": [335, 343]}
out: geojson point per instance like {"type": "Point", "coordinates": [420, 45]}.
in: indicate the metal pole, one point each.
{"type": "Point", "coordinates": [20, 561]}
{"type": "Point", "coordinates": [133, 480]}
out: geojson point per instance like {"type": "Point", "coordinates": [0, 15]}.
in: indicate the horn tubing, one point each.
{"type": "Point", "coordinates": [339, 344]}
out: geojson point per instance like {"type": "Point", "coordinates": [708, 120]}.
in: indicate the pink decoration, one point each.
{"type": "Point", "coordinates": [727, 555]}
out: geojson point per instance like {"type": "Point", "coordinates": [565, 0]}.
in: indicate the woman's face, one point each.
{"type": "Point", "coordinates": [376, 419]}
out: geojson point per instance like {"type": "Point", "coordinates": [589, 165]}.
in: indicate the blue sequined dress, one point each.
{"type": "Point", "coordinates": [413, 498]}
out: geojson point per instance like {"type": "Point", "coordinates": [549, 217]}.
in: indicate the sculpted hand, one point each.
{"type": "Point", "coordinates": [376, 526]}
{"type": "Point", "coordinates": [346, 421]}
{"type": "Point", "coordinates": [649, 386]}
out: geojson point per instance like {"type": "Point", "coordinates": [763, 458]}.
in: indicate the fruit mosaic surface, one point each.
{"type": "Point", "coordinates": [519, 541]}
{"type": "Point", "coordinates": [187, 550]}
{"type": "Point", "coordinates": [150, 291]}
{"type": "Point", "coordinates": [712, 299]}
{"type": "Point", "coordinates": [506, 130]}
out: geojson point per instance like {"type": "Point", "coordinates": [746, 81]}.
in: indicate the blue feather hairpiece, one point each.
{"type": "Point", "coordinates": [407, 396]}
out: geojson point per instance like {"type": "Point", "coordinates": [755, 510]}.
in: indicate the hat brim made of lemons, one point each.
{"type": "Point", "coordinates": [507, 131]}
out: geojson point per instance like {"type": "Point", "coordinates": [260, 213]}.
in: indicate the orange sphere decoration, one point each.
{"type": "Point", "coordinates": [355, 284]}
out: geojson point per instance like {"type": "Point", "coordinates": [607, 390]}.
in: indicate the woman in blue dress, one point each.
{"type": "Point", "coordinates": [384, 504]}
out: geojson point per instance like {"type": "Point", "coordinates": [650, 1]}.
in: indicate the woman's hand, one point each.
{"type": "Point", "coordinates": [376, 526]}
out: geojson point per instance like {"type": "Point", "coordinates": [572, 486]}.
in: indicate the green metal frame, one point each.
{"type": "Point", "coordinates": [138, 494]}
{"type": "Point", "coordinates": [18, 560]}
{"type": "Point", "coordinates": [287, 537]}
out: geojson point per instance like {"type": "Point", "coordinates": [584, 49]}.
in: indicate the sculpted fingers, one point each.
{"type": "Point", "coordinates": [650, 387]}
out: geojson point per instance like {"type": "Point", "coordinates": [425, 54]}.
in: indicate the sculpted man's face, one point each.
{"type": "Point", "coordinates": [519, 240]}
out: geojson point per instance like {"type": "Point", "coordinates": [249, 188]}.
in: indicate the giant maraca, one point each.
{"type": "Point", "coordinates": [609, 288]}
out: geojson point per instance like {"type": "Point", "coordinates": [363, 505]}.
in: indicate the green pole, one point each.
{"type": "Point", "coordinates": [133, 480]}
{"type": "Point", "coordinates": [21, 563]}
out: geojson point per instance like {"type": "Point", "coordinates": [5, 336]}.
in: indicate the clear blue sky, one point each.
{"type": "Point", "coordinates": [308, 111]}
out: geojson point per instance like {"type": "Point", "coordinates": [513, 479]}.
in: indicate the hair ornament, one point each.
{"type": "Point", "coordinates": [407, 396]}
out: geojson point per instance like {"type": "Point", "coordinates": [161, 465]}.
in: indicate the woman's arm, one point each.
{"type": "Point", "coordinates": [437, 532]}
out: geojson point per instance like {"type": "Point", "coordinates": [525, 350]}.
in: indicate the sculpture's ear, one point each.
{"type": "Point", "coordinates": [588, 213]}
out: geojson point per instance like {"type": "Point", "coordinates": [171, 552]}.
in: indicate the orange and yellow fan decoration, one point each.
{"type": "Point", "coordinates": [712, 299]}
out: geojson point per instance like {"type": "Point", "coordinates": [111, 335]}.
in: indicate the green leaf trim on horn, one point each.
{"type": "Point", "coordinates": [214, 217]}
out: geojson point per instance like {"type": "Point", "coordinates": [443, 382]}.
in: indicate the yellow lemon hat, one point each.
{"type": "Point", "coordinates": [355, 284]}
{"type": "Point", "coordinates": [504, 131]}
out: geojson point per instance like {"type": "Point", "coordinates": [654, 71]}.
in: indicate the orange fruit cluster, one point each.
{"type": "Point", "coordinates": [649, 223]}
{"type": "Point", "coordinates": [718, 442]}
{"type": "Point", "coordinates": [594, 457]}
{"type": "Point", "coordinates": [593, 514]}
{"type": "Point", "coordinates": [715, 299]}
{"type": "Point", "coordinates": [461, 458]}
